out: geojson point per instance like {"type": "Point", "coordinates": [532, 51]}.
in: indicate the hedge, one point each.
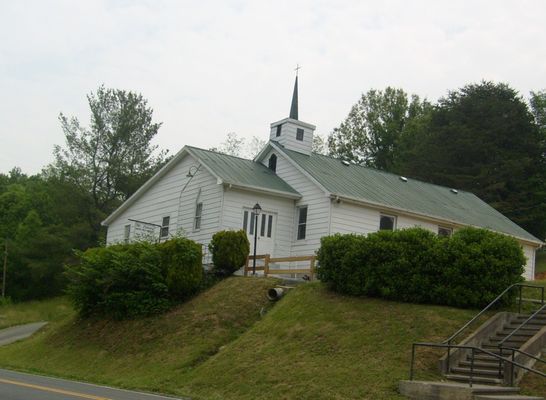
{"type": "Point", "coordinates": [130, 280]}
{"type": "Point", "coordinates": [468, 269]}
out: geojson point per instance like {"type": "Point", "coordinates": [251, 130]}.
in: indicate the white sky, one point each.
{"type": "Point", "coordinates": [208, 68]}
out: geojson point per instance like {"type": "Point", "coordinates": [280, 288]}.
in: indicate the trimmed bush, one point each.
{"type": "Point", "coordinates": [229, 251]}
{"type": "Point", "coordinates": [468, 269]}
{"type": "Point", "coordinates": [181, 260]}
{"type": "Point", "coordinates": [137, 279]}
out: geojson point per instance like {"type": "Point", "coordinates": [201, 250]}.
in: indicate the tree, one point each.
{"type": "Point", "coordinates": [320, 145]}
{"type": "Point", "coordinates": [113, 156]}
{"type": "Point", "coordinates": [240, 147]}
{"type": "Point", "coordinates": [482, 138]}
{"type": "Point", "coordinates": [370, 133]}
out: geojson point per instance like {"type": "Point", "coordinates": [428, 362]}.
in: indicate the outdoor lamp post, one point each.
{"type": "Point", "coordinates": [256, 209]}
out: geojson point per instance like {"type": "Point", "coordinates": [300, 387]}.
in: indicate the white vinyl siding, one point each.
{"type": "Point", "coordinates": [238, 202]}
{"type": "Point", "coordinates": [288, 137]}
{"type": "Point", "coordinates": [318, 203]}
{"type": "Point", "coordinates": [165, 197]}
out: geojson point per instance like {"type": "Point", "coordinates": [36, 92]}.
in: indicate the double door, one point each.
{"type": "Point", "coordinates": [261, 230]}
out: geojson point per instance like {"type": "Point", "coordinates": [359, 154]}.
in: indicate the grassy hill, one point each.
{"type": "Point", "coordinates": [229, 343]}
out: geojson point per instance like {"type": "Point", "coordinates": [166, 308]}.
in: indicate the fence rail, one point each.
{"type": "Point", "coordinates": [281, 271]}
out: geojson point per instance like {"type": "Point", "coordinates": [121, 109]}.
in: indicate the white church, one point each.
{"type": "Point", "coordinates": [303, 196]}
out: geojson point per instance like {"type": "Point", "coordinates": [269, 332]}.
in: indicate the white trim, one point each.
{"type": "Point", "coordinates": [251, 188]}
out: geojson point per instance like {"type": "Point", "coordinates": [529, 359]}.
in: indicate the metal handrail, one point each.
{"type": "Point", "coordinates": [473, 349]}
{"type": "Point", "coordinates": [523, 324]}
{"type": "Point", "coordinates": [524, 353]}
{"type": "Point", "coordinates": [520, 285]}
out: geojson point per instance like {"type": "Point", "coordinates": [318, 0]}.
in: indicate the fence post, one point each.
{"type": "Point", "coordinates": [266, 265]}
{"type": "Point", "coordinates": [471, 367]}
{"type": "Point", "coordinates": [412, 361]}
{"type": "Point", "coordinates": [246, 265]}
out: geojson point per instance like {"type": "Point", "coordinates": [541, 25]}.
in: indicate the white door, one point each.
{"type": "Point", "coordinates": [265, 229]}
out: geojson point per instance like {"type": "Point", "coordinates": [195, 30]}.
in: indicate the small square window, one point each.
{"type": "Point", "coordinates": [444, 231]}
{"type": "Point", "coordinates": [387, 222]}
{"type": "Point", "coordinates": [299, 134]}
{"type": "Point", "coordinates": [165, 227]}
{"type": "Point", "coordinates": [278, 133]}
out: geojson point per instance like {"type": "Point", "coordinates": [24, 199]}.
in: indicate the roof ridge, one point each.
{"type": "Point", "coordinates": [220, 153]}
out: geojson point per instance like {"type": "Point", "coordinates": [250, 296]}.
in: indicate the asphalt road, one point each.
{"type": "Point", "coordinates": [20, 386]}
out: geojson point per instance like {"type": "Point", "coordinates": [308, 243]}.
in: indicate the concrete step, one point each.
{"type": "Point", "coordinates": [491, 365]}
{"type": "Point", "coordinates": [513, 338]}
{"type": "Point", "coordinates": [493, 348]}
{"type": "Point", "coordinates": [476, 379]}
{"type": "Point", "coordinates": [483, 357]}
{"type": "Point", "coordinates": [520, 333]}
{"type": "Point", "coordinates": [524, 328]}
{"type": "Point", "coordinates": [505, 397]}
{"type": "Point", "coordinates": [476, 372]}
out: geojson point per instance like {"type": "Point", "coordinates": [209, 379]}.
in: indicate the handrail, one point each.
{"type": "Point", "coordinates": [524, 353]}
{"type": "Point", "coordinates": [520, 285]}
{"type": "Point", "coordinates": [522, 324]}
{"type": "Point", "coordinates": [473, 349]}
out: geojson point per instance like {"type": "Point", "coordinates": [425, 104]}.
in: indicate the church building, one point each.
{"type": "Point", "coordinates": [302, 196]}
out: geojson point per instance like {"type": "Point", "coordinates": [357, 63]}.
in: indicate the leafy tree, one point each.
{"type": "Point", "coordinates": [320, 145]}
{"type": "Point", "coordinates": [482, 138]}
{"type": "Point", "coordinates": [113, 156]}
{"type": "Point", "coordinates": [370, 133]}
{"type": "Point", "coordinates": [239, 146]}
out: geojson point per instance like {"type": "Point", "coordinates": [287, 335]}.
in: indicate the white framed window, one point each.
{"type": "Point", "coordinates": [445, 231]}
{"type": "Point", "coordinates": [127, 233]}
{"type": "Point", "coordinates": [165, 227]}
{"type": "Point", "coordinates": [301, 222]}
{"type": "Point", "coordinates": [387, 222]}
{"type": "Point", "coordinates": [198, 216]}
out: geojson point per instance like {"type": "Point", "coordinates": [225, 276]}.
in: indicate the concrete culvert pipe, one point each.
{"type": "Point", "coordinates": [275, 294]}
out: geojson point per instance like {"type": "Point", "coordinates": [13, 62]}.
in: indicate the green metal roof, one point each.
{"type": "Point", "coordinates": [242, 172]}
{"type": "Point", "coordinates": [383, 188]}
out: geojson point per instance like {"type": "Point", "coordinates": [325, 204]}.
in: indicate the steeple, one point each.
{"type": "Point", "coordinates": [290, 132]}
{"type": "Point", "coordinates": [294, 105]}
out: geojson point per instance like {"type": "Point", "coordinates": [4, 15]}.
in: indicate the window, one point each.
{"type": "Point", "coordinates": [387, 222]}
{"type": "Point", "coordinates": [273, 163]}
{"type": "Point", "coordinates": [299, 134]}
{"type": "Point", "coordinates": [245, 221]}
{"type": "Point", "coordinates": [165, 227]}
{"type": "Point", "coordinates": [252, 220]}
{"type": "Point", "coordinates": [278, 133]}
{"type": "Point", "coordinates": [198, 213]}
{"type": "Point", "coordinates": [269, 226]}
{"type": "Point", "coordinates": [127, 234]}
{"type": "Point", "coordinates": [262, 226]}
{"type": "Point", "coordinates": [302, 222]}
{"type": "Point", "coordinates": [444, 232]}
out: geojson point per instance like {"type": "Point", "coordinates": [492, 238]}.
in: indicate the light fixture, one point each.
{"type": "Point", "coordinates": [192, 171]}
{"type": "Point", "coordinates": [256, 210]}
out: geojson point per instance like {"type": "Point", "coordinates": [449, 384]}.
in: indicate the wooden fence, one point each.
{"type": "Point", "coordinates": [281, 271]}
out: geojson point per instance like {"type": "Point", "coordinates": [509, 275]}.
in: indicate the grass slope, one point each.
{"type": "Point", "coordinates": [313, 344]}
{"type": "Point", "coordinates": [51, 310]}
{"type": "Point", "coordinates": [151, 353]}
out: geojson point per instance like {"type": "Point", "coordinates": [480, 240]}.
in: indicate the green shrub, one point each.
{"type": "Point", "coordinates": [181, 260]}
{"type": "Point", "coordinates": [414, 265]}
{"type": "Point", "coordinates": [229, 251]}
{"type": "Point", "coordinates": [137, 279]}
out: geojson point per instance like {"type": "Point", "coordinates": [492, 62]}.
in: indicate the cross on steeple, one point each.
{"type": "Point", "coordinates": [297, 69]}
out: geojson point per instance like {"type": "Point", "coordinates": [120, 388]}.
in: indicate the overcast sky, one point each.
{"type": "Point", "coordinates": [208, 68]}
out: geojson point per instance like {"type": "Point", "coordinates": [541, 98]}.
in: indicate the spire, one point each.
{"type": "Point", "coordinates": [294, 106]}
